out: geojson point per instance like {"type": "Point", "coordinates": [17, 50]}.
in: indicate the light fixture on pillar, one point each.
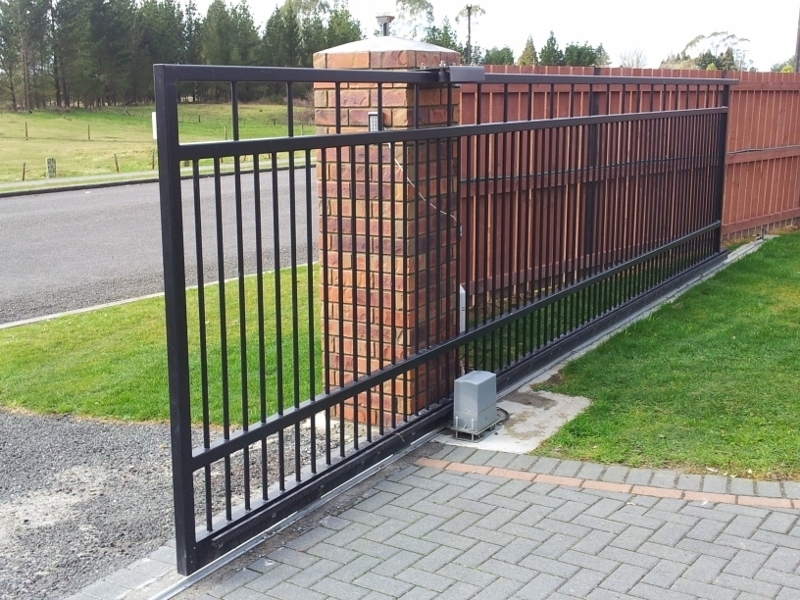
{"type": "Point", "coordinates": [383, 23]}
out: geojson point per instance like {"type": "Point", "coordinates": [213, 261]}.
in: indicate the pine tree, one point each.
{"type": "Point", "coordinates": [551, 54]}
{"type": "Point", "coordinates": [528, 57]}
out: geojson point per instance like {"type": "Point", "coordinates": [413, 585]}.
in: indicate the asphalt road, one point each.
{"type": "Point", "coordinates": [68, 250]}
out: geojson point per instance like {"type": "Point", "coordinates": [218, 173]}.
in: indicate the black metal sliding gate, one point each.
{"type": "Point", "coordinates": [290, 261]}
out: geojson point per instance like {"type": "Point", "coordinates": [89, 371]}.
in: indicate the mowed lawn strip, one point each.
{"type": "Point", "coordinates": [111, 363]}
{"type": "Point", "coordinates": [709, 383]}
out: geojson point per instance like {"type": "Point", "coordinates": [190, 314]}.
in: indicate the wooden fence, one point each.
{"type": "Point", "coordinates": [762, 172]}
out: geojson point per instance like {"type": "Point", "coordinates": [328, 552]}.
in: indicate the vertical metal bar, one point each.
{"type": "Point", "coordinates": [262, 356]}
{"type": "Point", "coordinates": [368, 220]}
{"type": "Point", "coordinates": [397, 261]}
{"type": "Point", "coordinates": [312, 303]}
{"type": "Point", "coordinates": [166, 92]}
{"type": "Point", "coordinates": [325, 268]}
{"type": "Point", "coordinates": [276, 236]}
{"type": "Point", "coordinates": [294, 291]}
{"type": "Point", "coordinates": [354, 255]}
{"type": "Point", "coordinates": [382, 275]}
{"type": "Point", "coordinates": [340, 260]}
{"type": "Point", "coordinates": [240, 275]}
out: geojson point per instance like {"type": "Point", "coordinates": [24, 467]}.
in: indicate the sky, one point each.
{"type": "Point", "coordinates": [655, 28]}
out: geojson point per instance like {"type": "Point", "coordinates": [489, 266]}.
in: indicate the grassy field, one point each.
{"type": "Point", "coordinates": [111, 363]}
{"type": "Point", "coordinates": [706, 384]}
{"type": "Point", "coordinates": [85, 142]}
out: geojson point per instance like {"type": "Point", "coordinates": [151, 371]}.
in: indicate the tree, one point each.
{"type": "Point", "coordinates": [528, 57]}
{"type": "Point", "coordinates": [498, 56]}
{"type": "Point", "coordinates": [787, 66]}
{"type": "Point", "coordinates": [551, 54]}
{"type": "Point", "coordinates": [633, 59]}
{"type": "Point", "coordinates": [444, 36]}
{"type": "Point", "coordinates": [342, 27]}
{"type": "Point", "coordinates": [414, 16]}
{"type": "Point", "coordinates": [468, 12]}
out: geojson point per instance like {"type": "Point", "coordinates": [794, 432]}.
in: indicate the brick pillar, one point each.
{"type": "Point", "coordinates": [420, 235]}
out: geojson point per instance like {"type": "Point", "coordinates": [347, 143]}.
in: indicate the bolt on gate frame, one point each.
{"type": "Point", "coordinates": [313, 283]}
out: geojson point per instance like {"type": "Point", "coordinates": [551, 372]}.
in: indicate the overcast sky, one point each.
{"type": "Point", "coordinates": [656, 28]}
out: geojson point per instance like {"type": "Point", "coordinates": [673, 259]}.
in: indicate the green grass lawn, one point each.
{"type": "Point", "coordinates": [709, 382]}
{"type": "Point", "coordinates": [84, 142]}
{"type": "Point", "coordinates": [111, 363]}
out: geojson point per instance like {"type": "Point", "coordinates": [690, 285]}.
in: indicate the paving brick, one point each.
{"type": "Point", "coordinates": [429, 508]}
{"type": "Point", "coordinates": [556, 545]}
{"type": "Point", "coordinates": [418, 593]}
{"type": "Point", "coordinates": [410, 498]}
{"type": "Point", "coordinates": [105, 590]}
{"type": "Point", "coordinates": [355, 569]}
{"type": "Point", "coordinates": [755, 544]}
{"type": "Point", "coordinates": [373, 595]}
{"type": "Point", "coordinates": [459, 454]}
{"type": "Point", "coordinates": [248, 594]}
{"type": "Point", "coordinates": [603, 594]}
{"type": "Point", "coordinates": [583, 582]}
{"type": "Point", "coordinates": [442, 450]}
{"type": "Point", "coordinates": [510, 489]}
{"type": "Point", "coordinates": [664, 574]}
{"type": "Point", "coordinates": [151, 567]}
{"type": "Point", "coordinates": [335, 553]}
{"type": "Point", "coordinates": [478, 554]}
{"type": "Point", "coordinates": [469, 575]}
{"type": "Point", "coordinates": [371, 548]}
{"type": "Point", "coordinates": [690, 482]}
{"type": "Point", "coordinates": [504, 502]}
{"type": "Point", "coordinates": [615, 474]}
{"type": "Point", "coordinates": [631, 518]}
{"type": "Point", "coordinates": [715, 484]}
{"type": "Point", "coordinates": [522, 462]}
{"type": "Point", "coordinates": [375, 501]}
{"type": "Point", "coordinates": [425, 524]}
{"type": "Point", "coordinates": [129, 579]}
{"type": "Point", "coordinates": [651, 592]}
{"type": "Point", "coordinates": [623, 578]}
{"type": "Point", "coordinates": [289, 556]}
{"type": "Point", "coordinates": [507, 570]}
{"type": "Point", "coordinates": [459, 591]}
{"type": "Point", "coordinates": [601, 524]}
{"type": "Point", "coordinates": [544, 464]}
{"type": "Point", "coordinates": [590, 471]}
{"type": "Point", "coordinates": [488, 535]}
{"type": "Point", "coordinates": [706, 530]}
{"type": "Point", "coordinates": [470, 506]}
{"type": "Point", "coordinates": [431, 581]}
{"type": "Point", "coordinates": [289, 591]}
{"type": "Point", "coordinates": [500, 460]}
{"type": "Point", "coordinates": [442, 556]}
{"type": "Point", "coordinates": [399, 562]}
{"type": "Point", "coordinates": [451, 540]}
{"type": "Point", "coordinates": [575, 495]}
{"type": "Point", "coordinates": [567, 511]}
{"type": "Point", "coordinates": [604, 507]}
{"type": "Point", "coordinates": [765, 502]}
{"type": "Point", "coordinates": [360, 516]}
{"type": "Point", "coordinates": [459, 522]}
{"type": "Point", "coordinates": [594, 542]}
{"type": "Point", "coordinates": [541, 587]}
{"type": "Point", "coordinates": [542, 564]}
{"type": "Point", "coordinates": [742, 526]}
{"type": "Point", "coordinates": [386, 485]}
{"type": "Point", "coordinates": [670, 533]}
{"type": "Point", "coordinates": [353, 532]}
{"type": "Point", "coordinates": [530, 533]}
{"type": "Point", "coordinates": [311, 575]}
{"type": "Point", "coordinates": [499, 589]}
{"type": "Point", "coordinates": [596, 563]}
{"type": "Point", "coordinates": [480, 457]}
{"type": "Point", "coordinates": [387, 529]}
{"type": "Point", "coordinates": [629, 557]}
{"type": "Point", "coordinates": [518, 549]}
{"type": "Point", "coordinates": [666, 552]}
{"type": "Point", "coordinates": [785, 560]}
{"type": "Point", "coordinates": [791, 489]}
{"type": "Point", "coordinates": [664, 478]}
{"type": "Point", "coordinates": [779, 577]}
{"type": "Point", "coordinates": [261, 583]}
{"type": "Point", "coordinates": [567, 468]}
{"type": "Point", "coordinates": [742, 487]}
{"type": "Point", "coordinates": [746, 584]}
{"type": "Point", "coordinates": [384, 585]}
{"type": "Point", "coordinates": [745, 564]}
{"type": "Point", "coordinates": [705, 569]}
{"type": "Point", "coordinates": [339, 589]}
{"type": "Point", "coordinates": [570, 529]}
{"type": "Point", "coordinates": [703, 590]}
{"type": "Point", "coordinates": [639, 476]}
{"type": "Point", "coordinates": [480, 491]}
{"type": "Point", "coordinates": [418, 480]}
{"type": "Point", "coordinates": [747, 511]}
{"type": "Point", "coordinates": [632, 538]}
{"type": "Point", "coordinates": [770, 489]}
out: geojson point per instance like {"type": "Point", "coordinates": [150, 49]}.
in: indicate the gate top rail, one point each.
{"type": "Point", "coordinates": [211, 73]}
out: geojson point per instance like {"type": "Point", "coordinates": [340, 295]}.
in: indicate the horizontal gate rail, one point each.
{"type": "Point", "coordinates": [312, 324]}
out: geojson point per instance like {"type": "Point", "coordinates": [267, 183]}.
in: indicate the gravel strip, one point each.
{"type": "Point", "coordinates": [81, 498]}
{"type": "Point", "coordinates": [78, 500]}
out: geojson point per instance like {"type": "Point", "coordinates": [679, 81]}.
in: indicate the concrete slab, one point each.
{"type": "Point", "coordinates": [533, 416]}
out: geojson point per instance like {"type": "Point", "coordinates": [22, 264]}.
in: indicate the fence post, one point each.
{"type": "Point", "coordinates": [395, 298]}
